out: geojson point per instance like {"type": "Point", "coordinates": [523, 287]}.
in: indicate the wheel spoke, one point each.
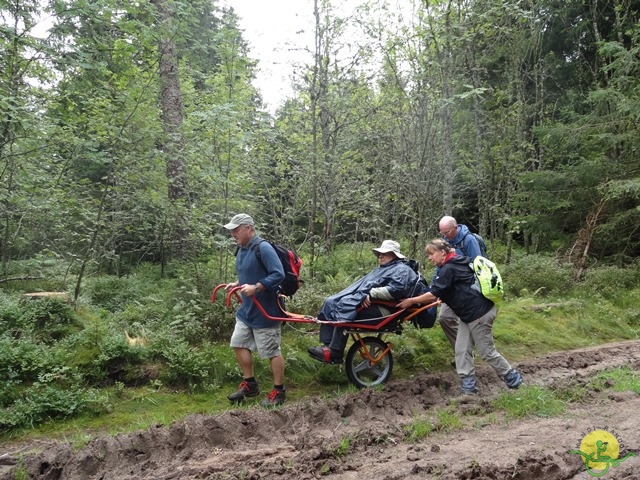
{"type": "Point", "coordinates": [361, 370]}
{"type": "Point", "coordinates": [361, 366]}
{"type": "Point", "coordinates": [371, 369]}
{"type": "Point", "coordinates": [375, 372]}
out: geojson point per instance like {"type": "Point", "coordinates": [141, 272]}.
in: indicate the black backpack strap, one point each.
{"type": "Point", "coordinates": [459, 245]}
{"type": "Point", "coordinates": [256, 250]}
{"type": "Point", "coordinates": [462, 242]}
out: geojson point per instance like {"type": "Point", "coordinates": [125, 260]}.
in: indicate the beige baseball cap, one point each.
{"type": "Point", "coordinates": [239, 219]}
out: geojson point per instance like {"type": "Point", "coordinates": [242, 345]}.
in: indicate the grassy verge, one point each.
{"type": "Point", "coordinates": [527, 326]}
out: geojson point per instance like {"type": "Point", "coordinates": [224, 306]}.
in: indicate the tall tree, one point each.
{"type": "Point", "coordinates": [589, 136]}
{"type": "Point", "coordinates": [106, 115]}
{"type": "Point", "coordinates": [172, 119]}
{"type": "Point", "coordinates": [23, 74]}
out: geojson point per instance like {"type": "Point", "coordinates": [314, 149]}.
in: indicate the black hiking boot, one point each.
{"type": "Point", "coordinates": [325, 354]}
{"type": "Point", "coordinates": [276, 397]}
{"type": "Point", "coordinates": [245, 390]}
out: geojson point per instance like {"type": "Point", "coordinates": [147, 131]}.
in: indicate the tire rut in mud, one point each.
{"type": "Point", "coordinates": [361, 434]}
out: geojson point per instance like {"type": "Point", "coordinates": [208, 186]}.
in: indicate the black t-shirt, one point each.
{"type": "Point", "coordinates": [454, 286]}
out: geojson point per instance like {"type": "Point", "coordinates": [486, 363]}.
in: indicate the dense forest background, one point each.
{"type": "Point", "coordinates": [130, 131]}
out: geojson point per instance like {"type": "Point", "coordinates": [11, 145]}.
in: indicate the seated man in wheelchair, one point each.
{"type": "Point", "coordinates": [392, 280]}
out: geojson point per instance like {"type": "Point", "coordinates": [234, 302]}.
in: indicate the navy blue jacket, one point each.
{"type": "Point", "coordinates": [250, 271]}
{"type": "Point", "coordinates": [399, 278]}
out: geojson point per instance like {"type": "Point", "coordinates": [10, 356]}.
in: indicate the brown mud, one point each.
{"type": "Point", "coordinates": [362, 435]}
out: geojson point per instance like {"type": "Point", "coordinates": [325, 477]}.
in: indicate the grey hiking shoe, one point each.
{"type": "Point", "coordinates": [275, 397]}
{"type": "Point", "coordinates": [246, 389]}
{"type": "Point", "coordinates": [513, 379]}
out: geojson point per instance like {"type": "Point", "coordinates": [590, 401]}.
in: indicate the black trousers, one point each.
{"type": "Point", "coordinates": [334, 336]}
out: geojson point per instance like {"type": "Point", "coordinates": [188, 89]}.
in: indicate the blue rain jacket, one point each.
{"type": "Point", "coordinates": [399, 278]}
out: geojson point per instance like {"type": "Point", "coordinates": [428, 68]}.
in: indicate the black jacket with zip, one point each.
{"type": "Point", "coordinates": [455, 285]}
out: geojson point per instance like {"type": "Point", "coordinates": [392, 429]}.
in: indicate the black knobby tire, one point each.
{"type": "Point", "coordinates": [363, 373]}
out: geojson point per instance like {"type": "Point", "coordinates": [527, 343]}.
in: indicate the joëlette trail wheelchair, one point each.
{"type": "Point", "coordinates": [369, 360]}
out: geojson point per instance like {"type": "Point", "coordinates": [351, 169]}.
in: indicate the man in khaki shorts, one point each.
{"type": "Point", "coordinates": [253, 331]}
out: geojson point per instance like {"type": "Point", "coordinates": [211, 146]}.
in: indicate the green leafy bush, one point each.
{"type": "Point", "coordinates": [345, 264]}
{"type": "Point", "coordinates": [58, 393]}
{"type": "Point", "coordinates": [197, 368]}
{"type": "Point", "coordinates": [112, 293]}
{"type": "Point", "coordinates": [536, 275]}
{"type": "Point", "coordinates": [10, 313]}
{"type": "Point", "coordinates": [21, 360]}
{"type": "Point", "coordinates": [197, 319]}
{"type": "Point", "coordinates": [48, 319]}
{"type": "Point", "coordinates": [608, 281]}
{"type": "Point", "coordinates": [44, 272]}
{"type": "Point", "coordinates": [117, 361]}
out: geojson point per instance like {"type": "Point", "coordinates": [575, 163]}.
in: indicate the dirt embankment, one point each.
{"type": "Point", "coordinates": [360, 435]}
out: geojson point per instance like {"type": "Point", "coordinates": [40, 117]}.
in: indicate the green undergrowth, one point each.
{"type": "Point", "coordinates": [530, 401]}
{"type": "Point", "coordinates": [440, 420]}
{"type": "Point", "coordinates": [536, 401]}
{"type": "Point", "coordinates": [70, 372]}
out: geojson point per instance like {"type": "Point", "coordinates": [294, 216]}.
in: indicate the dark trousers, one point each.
{"type": "Point", "coordinates": [335, 338]}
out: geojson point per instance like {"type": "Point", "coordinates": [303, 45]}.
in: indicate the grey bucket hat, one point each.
{"type": "Point", "coordinates": [389, 246]}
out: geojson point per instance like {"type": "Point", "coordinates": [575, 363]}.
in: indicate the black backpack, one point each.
{"type": "Point", "coordinates": [291, 264]}
{"type": "Point", "coordinates": [426, 318]}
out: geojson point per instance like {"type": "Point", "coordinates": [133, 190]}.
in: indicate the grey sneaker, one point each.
{"type": "Point", "coordinates": [513, 379]}
{"type": "Point", "coordinates": [275, 397]}
{"type": "Point", "coordinates": [246, 389]}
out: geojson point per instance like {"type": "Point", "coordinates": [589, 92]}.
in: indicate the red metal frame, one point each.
{"type": "Point", "coordinates": [404, 314]}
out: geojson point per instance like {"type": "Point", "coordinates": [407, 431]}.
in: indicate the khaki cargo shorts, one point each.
{"type": "Point", "coordinates": [266, 341]}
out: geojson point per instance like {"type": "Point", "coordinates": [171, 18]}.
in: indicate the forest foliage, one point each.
{"type": "Point", "coordinates": [131, 131]}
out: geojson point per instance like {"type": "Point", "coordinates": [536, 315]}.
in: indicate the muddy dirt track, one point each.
{"type": "Point", "coordinates": [361, 435]}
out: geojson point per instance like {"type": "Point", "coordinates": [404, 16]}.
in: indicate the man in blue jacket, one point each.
{"type": "Point", "coordinates": [253, 331]}
{"type": "Point", "coordinates": [465, 245]}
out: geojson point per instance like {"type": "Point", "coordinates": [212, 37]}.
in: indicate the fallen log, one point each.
{"type": "Point", "coordinates": [63, 296]}
{"type": "Point", "coordinates": [16, 279]}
